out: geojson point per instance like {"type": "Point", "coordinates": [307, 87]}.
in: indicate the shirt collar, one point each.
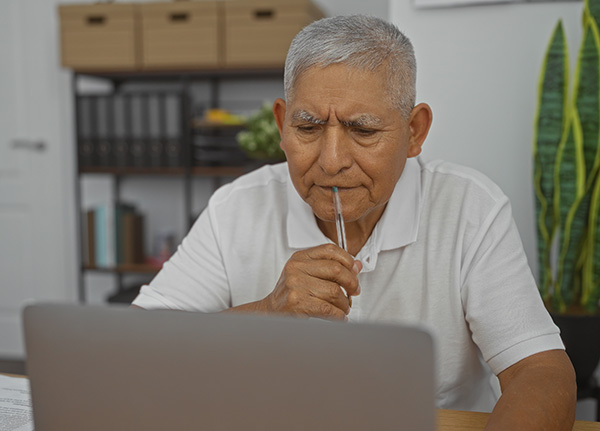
{"type": "Point", "coordinates": [399, 223]}
{"type": "Point", "coordinates": [397, 227]}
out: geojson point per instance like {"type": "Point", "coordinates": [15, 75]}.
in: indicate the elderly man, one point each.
{"type": "Point", "coordinates": [432, 243]}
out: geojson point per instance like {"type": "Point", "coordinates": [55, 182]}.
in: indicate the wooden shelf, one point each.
{"type": "Point", "coordinates": [141, 268]}
{"type": "Point", "coordinates": [200, 171]}
{"type": "Point", "coordinates": [220, 171]}
{"type": "Point", "coordinates": [171, 75]}
{"type": "Point", "coordinates": [132, 171]}
{"type": "Point", "coordinates": [202, 124]}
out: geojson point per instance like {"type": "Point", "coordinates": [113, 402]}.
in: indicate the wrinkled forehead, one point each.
{"type": "Point", "coordinates": [379, 72]}
{"type": "Point", "coordinates": [358, 92]}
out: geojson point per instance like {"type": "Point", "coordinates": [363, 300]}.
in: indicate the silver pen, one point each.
{"type": "Point", "coordinates": [341, 230]}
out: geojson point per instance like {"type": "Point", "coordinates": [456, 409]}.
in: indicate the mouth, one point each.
{"type": "Point", "coordinates": [330, 188]}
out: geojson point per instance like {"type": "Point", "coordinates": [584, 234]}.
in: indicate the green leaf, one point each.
{"type": "Point", "coordinates": [582, 235]}
{"type": "Point", "coordinates": [587, 99]}
{"type": "Point", "coordinates": [570, 184]}
{"type": "Point", "coordinates": [592, 10]}
{"type": "Point", "coordinates": [550, 121]}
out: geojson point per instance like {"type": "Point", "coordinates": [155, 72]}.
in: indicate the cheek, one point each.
{"type": "Point", "coordinates": [299, 166]}
{"type": "Point", "coordinates": [383, 172]}
{"type": "Point", "coordinates": [300, 157]}
{"type": "Point", "coordinates": [385, 166]}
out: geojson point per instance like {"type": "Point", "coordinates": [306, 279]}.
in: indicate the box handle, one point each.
{"type": "Point", "coordinates": [96, 19]}
{"type": "Point", "coordinates": [179, 17]}
{"type": "Point", "coordinates": [264, 13]}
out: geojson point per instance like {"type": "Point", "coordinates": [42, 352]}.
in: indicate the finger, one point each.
{"type": "Point", "coordinates": [295, 288]}
{"type": "Point", "coordinates": [312, 297]}
{"type": "Point", "coordinates": [335, 272]}
{"type": "Point", "coordinates": [324, 310]}
{"type": "Point", "coordinates": [328, 252]}
{"type": "Point", "coordinates": [334, 294]}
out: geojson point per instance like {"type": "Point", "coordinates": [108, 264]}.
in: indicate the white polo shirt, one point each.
{"type": "Point", "coordinates": [446, 254]}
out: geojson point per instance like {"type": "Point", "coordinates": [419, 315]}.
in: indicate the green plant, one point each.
{"type": "Point", "coordinates": [261, 139]}
{"type": "Point", "coordinates": [566, 172]}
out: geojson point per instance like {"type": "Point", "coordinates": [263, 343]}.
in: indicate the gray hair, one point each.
{"type": "Point", "coordinates": [357, 41]}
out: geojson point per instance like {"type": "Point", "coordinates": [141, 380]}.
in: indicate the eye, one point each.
{"type": "Point", "coordinates": [364, 133]}
{"type": "Point", "coordinates": [307, 128]}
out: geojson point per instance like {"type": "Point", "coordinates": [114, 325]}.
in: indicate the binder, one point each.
{"type": "Point", "coordinates": [121, 114]}
{"type": "Point", "coordinates": [85, 144]}
{"type": "Point", "coordinates": [103, 129]}
{"type": "Point", "coordinates": [173, 141]}
{"type": "Point", "coordinates": [138, 148]}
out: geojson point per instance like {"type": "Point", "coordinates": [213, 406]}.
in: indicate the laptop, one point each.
{"type": "Point", "coordinates": [115, 368]}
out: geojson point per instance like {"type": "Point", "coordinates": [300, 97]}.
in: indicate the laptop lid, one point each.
{"type": "Point", "coordinates": [112, 368]}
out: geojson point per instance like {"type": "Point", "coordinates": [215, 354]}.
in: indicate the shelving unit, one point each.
{"type": "Point", "coordinates": [188, 130]}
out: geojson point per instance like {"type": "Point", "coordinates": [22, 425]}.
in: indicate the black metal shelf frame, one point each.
{"type": "Point", "coordinates": [186, 169]}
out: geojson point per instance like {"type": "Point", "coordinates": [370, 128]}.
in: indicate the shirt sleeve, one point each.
{"type": "Point", "coordinates": [503, 307]}
{"type": "Point", "coordinates": [194, 278]}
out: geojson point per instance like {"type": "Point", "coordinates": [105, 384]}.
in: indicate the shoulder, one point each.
{"type": "Point", "coordinates": [441, 178]}
{"type": "Point", "coordinates": [441, 172]}
{"type": "Point", "coordinates": [461, 198]}
{"type": "Point", "coordinates": [257, 187]}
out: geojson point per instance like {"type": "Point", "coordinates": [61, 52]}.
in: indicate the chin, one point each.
{"type": "Point", "coordinates": [326, 215]}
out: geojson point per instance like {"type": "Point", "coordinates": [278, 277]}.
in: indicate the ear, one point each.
{"type": "Point", "coordinates": [279, 113]}
{"type": "Point", "coordinates": [420, 121]}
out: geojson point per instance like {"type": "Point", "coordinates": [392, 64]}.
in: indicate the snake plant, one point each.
{"type": "Point", "coordinates": [566, 172]}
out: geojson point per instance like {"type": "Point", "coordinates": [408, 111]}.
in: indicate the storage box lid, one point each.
{"type": "Point", "coordinates": [231, 5]}
{"type": "Point", "coordinates": [75, 11]}
{"type": "Point", "coordinates": [203, 6]}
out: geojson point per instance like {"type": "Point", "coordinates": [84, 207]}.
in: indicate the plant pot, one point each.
{"type": "Point", "coordinates": [581, 336]}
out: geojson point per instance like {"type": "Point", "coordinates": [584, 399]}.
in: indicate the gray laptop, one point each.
{"type": "Point", "coordinates": [112, 369]}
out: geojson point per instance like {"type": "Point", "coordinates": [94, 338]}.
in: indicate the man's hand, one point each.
{"type": "Point", "coordinates": [310, 284]}
{"type": "Point", "coordinates": [538, 393]}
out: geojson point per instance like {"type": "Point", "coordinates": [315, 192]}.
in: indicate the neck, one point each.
{"type": "Point", "coordinates": [357, 232]}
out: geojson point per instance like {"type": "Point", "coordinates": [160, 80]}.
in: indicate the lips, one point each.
{"type": "Point", "coordinates": [328, 190]}
{"type": "Point", "coordinates": [336, 185]}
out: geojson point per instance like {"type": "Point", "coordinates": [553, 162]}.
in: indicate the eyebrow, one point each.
{"type": "Point", "coordinates": [302, 115]}
{"type": "Point", "coordinates": [363, 120]}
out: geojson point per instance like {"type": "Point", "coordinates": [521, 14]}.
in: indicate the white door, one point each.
{"type": "Point", "coordinates": [37, 259]}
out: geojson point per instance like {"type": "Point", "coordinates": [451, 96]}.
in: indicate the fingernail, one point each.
{"type": "Point", "coordinates": [357, 291]}
{"type": "Point", "coordinates": [356, 267]}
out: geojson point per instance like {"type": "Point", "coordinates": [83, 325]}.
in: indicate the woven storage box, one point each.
{"type": "Point", "coordinates": [258, 32]}
{"type": "Point", "coordinates": [179, 34]}
{"type": "Point", "coordinates": [99, 36]}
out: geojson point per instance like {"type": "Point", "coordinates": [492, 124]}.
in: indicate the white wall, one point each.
{"type": "Point", "coordinates": [478, 68]}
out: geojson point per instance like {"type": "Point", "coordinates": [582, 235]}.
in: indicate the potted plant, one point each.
{"type": "Point", "coordinates": [261, 139]}
{"type": "Point", "coordinates": [567, 191]}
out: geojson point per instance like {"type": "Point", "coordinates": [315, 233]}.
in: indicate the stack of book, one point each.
{"type": "Point", "coordinates": [114, 235]}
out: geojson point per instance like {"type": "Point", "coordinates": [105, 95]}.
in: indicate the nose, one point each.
{"type": "Point", "coordinates": [334, 155]}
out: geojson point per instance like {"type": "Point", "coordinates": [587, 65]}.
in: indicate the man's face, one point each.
{"type": "Point", "coordinates": [340, 129]}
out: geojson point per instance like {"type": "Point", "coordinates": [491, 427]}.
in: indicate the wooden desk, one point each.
{"type": "Point", "coordinates": [454, 420]}
{"type": "Point", "coordinates": [13, 375]}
